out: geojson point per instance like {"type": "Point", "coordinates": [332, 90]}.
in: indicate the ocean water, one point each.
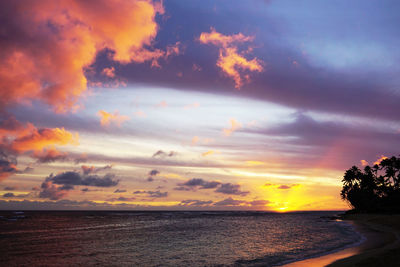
{"type": "Point", "coordinates": [168, 238]}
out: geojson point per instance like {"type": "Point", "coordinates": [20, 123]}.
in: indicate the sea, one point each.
{"type": "Point", "coordinates": [168, 238]}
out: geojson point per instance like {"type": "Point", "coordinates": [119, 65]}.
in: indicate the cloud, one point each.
{"type": "Point", "coordinates": [234, 125]}
{"type": "Point", "coordinates": [230, 60]}
{"type": "Point", "coordinates": [197, 183]}
{"type": "Point", "coordinates": [120, 191]}
{"type": "Point", "coordinates": [8, 195]}
{"type": "Point", "coordinates": [64, 37]}
{"type": "Point", "coordinates": [111, 118]}
{"type": "Point", "coordinates": [52, 191]}
{"type": "Point", "coordinates": [195, 203]}
{"type": "Point", "coordinates": [92, 169]}
{"type": "Point", "coordinates": [121, 199]}
{"type": "Point", "coordinates": [152, 194]}
{"type": "Point", "coordinates": [49, 155]}
{"type": "Point", "coordinates": [378, 161]}
{"type": "Point", "coordinates": [193, 105]}
{"type": "Point", "coordinates": [287, 186]}
{"type": "Point", "coordinates": [81, 159]}
{"type": "Point", "coordinates": [155, 55]}
{"type": "Point", "coordinates": [152, 174]}
{"type": "Point", "coordinates": [231, 189]}
{"type": "Point", "coordinates": [207, 153]}
{"type": "Point", "coordinates": [162, 104]}
{"type": "Point", "coordinates": [75, 178]}
{"type": "Point", "coordinates": [109, 72]}
{"type": "Point", "coordinates": [282, 186]}
{"type": "Point", "coordinates": [8, 165]}
{"type": "Point", "coordinates": [10, 188]}
{"type": "Point", "coordinates": [140, 114]}
{"type": "Point", "coordinates": [163, 154]}
{"type": "Point", "coordinates": [364, 162]}
{"type": "Point", "coordinates": [37, 139]}
{"type": "Point", "coordinates": [57, 186]}
{"type": "Point", "coordinates": [230, 202]}
{"type": "Point", "coordinates": [195, 139]}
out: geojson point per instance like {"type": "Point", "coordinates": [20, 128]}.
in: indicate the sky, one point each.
{"type": "Point", "coordinates": [194, 105]}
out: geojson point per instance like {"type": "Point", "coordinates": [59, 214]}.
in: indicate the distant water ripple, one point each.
{"type": "Point", "coordinates": [168, 238]}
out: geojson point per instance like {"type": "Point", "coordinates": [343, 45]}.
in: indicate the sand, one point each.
{"type": "Point", "coordinates": [381, 248]}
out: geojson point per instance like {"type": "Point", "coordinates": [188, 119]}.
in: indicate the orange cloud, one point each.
{"type": "Point", "coordinates": [162, 104]}
{"type": "Point", "coordinates": [108, 118]}
{"type": "Point", "coordinates": [39, 139]}
{"type": "Point", "coordinates": [230, 60]}
{"type": "Point", "coordinates": [49, 155]}
{"type": "Point", "coordinates": [140, 113]}
{"type": "Point", "coordinates": [235, 125]}
{"type": "Point", "coordinates": [64, 37]}
{"type": "Point", "coordinates": [378, 161]}
{"type": "Point", "coordinates": [193, 105]}
{"type": "Point", "coordinates": [364, 162]}
{"type": "Point", "coordinates": [208, 153]}
{"type": "Point", "coordinates": [195, 139]}
{"type": "Point", "coordinates": [109, 72]}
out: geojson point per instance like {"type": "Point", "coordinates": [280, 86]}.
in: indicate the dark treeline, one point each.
{"type": "Point", "coordinates": [375, 189]}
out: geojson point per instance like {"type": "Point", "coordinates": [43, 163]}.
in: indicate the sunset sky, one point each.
{"type": "Point", "coordinates": [196, 105]}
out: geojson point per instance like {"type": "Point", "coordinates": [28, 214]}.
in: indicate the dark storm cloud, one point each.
{"type": "Point", "coordinates": [152, 194]}
{"type": "Point", "coordinates": [231, 189]}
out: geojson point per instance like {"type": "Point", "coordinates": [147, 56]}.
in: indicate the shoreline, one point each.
{"type": "Point", "coordinates": [381, 247]}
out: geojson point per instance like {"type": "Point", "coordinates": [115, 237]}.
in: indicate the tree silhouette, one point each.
{"type": "Point", "coordinates": [374, 189]}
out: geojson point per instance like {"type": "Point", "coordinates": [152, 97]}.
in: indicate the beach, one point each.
{"type": "Point", "coordinates": [381, 247]}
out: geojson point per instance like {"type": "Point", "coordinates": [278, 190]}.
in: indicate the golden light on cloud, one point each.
{"type": "Point", "coordinates": [208, 153]}
{"type": "Point", "coordinates": [64, 38]}
{"type": "Point", "coordinates": [234, 125]}
{"type": "Point", "coordinates": [42, 138]}
{"type": "Point", "coordinates": [230, 60]}
{"type": "Point", "coordinates": [378, 161]}
{"type": "Point", "coordinates": [107, 118]}
{"type": "Point", "coordinates": [254, 163]}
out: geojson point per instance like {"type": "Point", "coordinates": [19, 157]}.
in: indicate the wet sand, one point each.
{"type": "Point", "coordinates": [381, 248]}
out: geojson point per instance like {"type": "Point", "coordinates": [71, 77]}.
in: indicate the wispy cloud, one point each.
{"type": "Point", "coordinates": [107, 118]}
{"type": "Point", "coordinates": [230, 60]}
